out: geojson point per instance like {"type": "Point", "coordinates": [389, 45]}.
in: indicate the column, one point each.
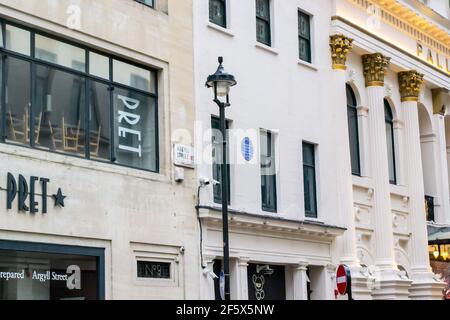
{"type": "Point", "coordinates": [300, 280]}
{"type": "Point", "coordinates": [340, 47]}
{"type": "Point", "coordinates": [207, 282]}
{"type": "Point", "coordinates": [424, 285]}
{"type": "Point", "coordinates": [363, 121]}
{"type": "Point", "coordinates": [241, 274]}
{"type": "Point", "coordinates": [442, 215]}
{"type": "Point", "coordinates": [330, 281]}
{"type": "Point", "coordinates": [375, 68]}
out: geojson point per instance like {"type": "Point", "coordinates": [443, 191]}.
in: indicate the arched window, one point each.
{"type": "Point", "coordinates": [389, 120]}
{"type": "Point", "coordinates": [352, 115]}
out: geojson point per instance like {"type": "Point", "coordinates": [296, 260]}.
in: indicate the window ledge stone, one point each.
{"type": "Point", "coordinates": [309, 65]}
{"type": "Point", "coordinates": [266, 48]}
{"type": "Point", "coordinates": [220, 29]}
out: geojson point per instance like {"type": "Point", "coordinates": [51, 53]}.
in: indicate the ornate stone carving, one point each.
{"type": "Point", "coordinates": [439, 98]}
{"type": "Point", "coordinates": [340, 46]}
{"type": "Point", "coordinates": [410, 83]}
{"type": "Point", "coordinates": [375, 68]}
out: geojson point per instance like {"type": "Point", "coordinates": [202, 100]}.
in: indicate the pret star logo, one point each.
{"type": "Point", "coordinates": [26, 193]}
{"type": "Point", "coordinates": [59, 198]}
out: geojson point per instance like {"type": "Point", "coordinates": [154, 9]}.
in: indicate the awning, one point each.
{"type": "Point", "coordinates": [438, 233]}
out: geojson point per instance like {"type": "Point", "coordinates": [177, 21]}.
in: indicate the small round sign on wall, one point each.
{"type": "Point", "coordinates": [343, 281]}
{"type": "Point", "coordinates": [247, 149]}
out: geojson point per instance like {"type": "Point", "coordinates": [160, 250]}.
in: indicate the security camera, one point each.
{"type": "Point", "coordinates": [206, 181]}
{"type": "Point", "coordinates": [266, 270]}
{"type": "Point", "coordinates": [209, 273]}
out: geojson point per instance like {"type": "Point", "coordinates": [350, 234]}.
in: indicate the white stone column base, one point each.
{"type": "Point", "coordinates": [361, 284]}
{"type": "Point", "coordinates": [390, 286]}
{"type": "Point", "coordinates": [426, 287]}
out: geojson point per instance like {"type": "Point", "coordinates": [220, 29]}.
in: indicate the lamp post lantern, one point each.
{"type": "Point", "coordinates": [221, 82]}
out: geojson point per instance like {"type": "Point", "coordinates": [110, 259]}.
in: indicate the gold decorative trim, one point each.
{"type": "Point", "coordinates": [375, 68]}
{"type": "Point", "coordinates": [393, 46]}
{"type": "Point", "coordinates": [410, 83]}
{"type": "Point", "coordinates": [340, 46]}
{"type": "Point", "coordinates": [408, 22]}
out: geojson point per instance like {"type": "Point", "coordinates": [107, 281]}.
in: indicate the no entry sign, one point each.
{"type": "Point", "coordinates": [343, 280]}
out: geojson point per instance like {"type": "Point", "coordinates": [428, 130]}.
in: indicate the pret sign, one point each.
{"type": "Point", "coordinates": [25, 191]}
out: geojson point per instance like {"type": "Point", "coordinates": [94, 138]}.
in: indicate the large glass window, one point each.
{"type": "Point", "coordinates": [149, 3]}
{"type": "Point", "coordinates": [99, 121]}
{"type": "Point", "coordinates": [304, 36]}
{"type": "Point", "coordinates": [53, 101]}
{"type": "Point", "coordinates": [268, 171]}
{"type": "Point", "coordinates": [61, 53]}
{"type": "Point", "coordinates": [35, 274]}
{"type": "Point", "coordinates": [217, 12]}
{"type": "Point", "coordinates": [134, 76]}
{"type": "Point", "coordinates": [263, 32]}
{"type": "Point", "coordinates": [309, 180]}
{"type": "Point", "coordinates": [18, 40]}
{"type": "Point", "coordinates": [389, 120]}
{"type": "Point", "coordinates": [216, 140]}
{"type": "Point", "coordinates": [17, 100]}
{"type": "Point", "coordinates": [99, 65]}
{"type": "Point", "coordinates": [59, 110]}
{"type": "Point", "coordinates": [352, 116]}
{"type": "Point", "coordinates": [135, 129]}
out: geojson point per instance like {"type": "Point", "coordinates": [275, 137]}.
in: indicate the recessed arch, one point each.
{"type": "Point", "coordinates": [391, 140]}
{"type": "Point", "coordinates": [356, 92]}
{"type": "Point", "coordinates": [428, 146]}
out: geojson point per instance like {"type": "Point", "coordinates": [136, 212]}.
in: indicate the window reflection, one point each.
{"type": "Point", "coordinates": [60, 104]}
{"type": "Point", "coordinates": [18, 40]}
{"type": "Point", "coordinates": [18, 101]}
{"type": "Point", "coordinates": [61, 53]}
{"type": "Point", "coordinates": [99, 121]}
{"type": "Point", "coordinates": [98, 65]}
{"type": "Point", "coordinates": [134, 76]}
{"type": "Point", "coordinates": [120, 110]}
{"type": "Point", "coordinates": [135, 132]}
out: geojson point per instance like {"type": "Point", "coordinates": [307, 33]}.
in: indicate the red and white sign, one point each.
{"type": "Point", "coordinates": [341, 279]}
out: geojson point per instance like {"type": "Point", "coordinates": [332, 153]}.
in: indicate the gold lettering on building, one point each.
{"type": "Point", "coordinates": [437, 59]}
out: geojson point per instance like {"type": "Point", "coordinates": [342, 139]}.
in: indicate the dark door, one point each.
{"type": "Point", "coordinates": [266, 283]}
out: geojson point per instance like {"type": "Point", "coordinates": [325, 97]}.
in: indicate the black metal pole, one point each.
{"type": "Point", "coordinates": [224, 187]}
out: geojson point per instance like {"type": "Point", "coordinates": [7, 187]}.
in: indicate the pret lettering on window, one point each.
{"type": "Point", "coordinates": [131, 119]}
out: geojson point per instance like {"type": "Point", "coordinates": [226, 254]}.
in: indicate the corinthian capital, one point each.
{"type": "Point", "coordinates": [375, 68]}
{"type": "Point", "coordinates": [340, 46]}
{"type": "Point", "coordinates": [410, 83]}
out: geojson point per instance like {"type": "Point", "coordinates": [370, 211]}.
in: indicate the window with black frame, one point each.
{"type": "Point", "coordinates": [309, 180]}
{"type": "Point", "coordinates": [149, 3]}
{"type": "Point", "coordinates": [268, 171]}
{"type": "Point", "coordinates": [352, 116]}
{"type": "Point", "coordinates": [390, 141]}
{"type": "Point", "coordinates": [83, 103]}
{"type": "Point", "coordinates": [304, 36]}
{"type": "Point", "coordinates": [218, 12]}
{"type": "Point", "coordinates": [216, 140]}
{"type": "Point", "coordinates": [263, 28]}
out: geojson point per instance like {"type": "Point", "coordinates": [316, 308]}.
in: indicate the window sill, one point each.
{"type": "Point", "coordinates": [266, 48]}
{"type": "Point", "coordinates": [220, 29]}
{"type": "Point", "coordinates": [308, 65]}
{"type": "Point", "coordinates": [51, 158]}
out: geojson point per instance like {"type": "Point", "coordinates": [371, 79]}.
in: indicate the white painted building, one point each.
{"type": "Point", "coordinates": [311, 75]}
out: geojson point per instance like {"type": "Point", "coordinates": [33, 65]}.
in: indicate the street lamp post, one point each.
{"type": "Point", "coordinates": [221, 82]}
